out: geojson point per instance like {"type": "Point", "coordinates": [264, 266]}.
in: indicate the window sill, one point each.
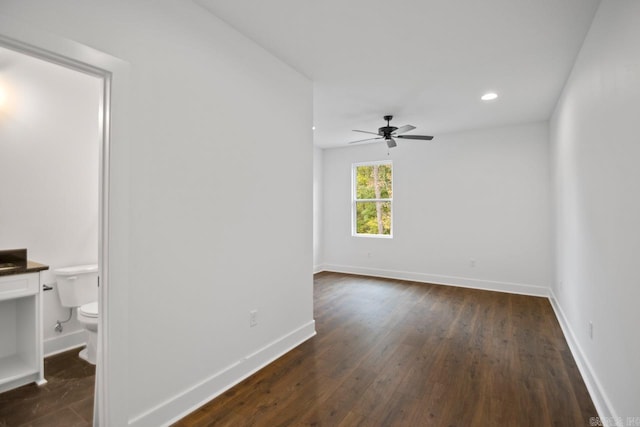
{"type": "Point", "coordinates": [373, 236]}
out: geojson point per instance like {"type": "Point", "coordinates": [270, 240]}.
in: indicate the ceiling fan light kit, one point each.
{"type": "Point", "coordinates": [389, 133]}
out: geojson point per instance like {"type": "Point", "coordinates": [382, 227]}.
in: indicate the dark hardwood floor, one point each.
{"type": "Point", "coordinates": [396, 353]}
{"type": "Point", "coordinates": [65, 401]}
{"type": "Point", "coordinates": [387, 353]}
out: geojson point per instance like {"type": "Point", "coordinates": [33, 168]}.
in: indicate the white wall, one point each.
{"type": "Point", "coordinates": [318, 195]}
{"type": "Point", "coordinates": [220, 213]}
{"type": "Point", "coordinates": [595, 153]}
{"type": "Point", "coordinates": [480, 195]}
{"type": "Point", "coordinates": [49, 174]}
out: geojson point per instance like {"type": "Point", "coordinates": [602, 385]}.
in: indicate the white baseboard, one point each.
{"type": "Point", "coordinates": [465, 282]}
{"type": "Point", "coordinates": [598, 396]}
{"type": "Point", "coordinates": [194, 397]}
{"type": "Point", "coordinates": [63, 343]}
{"type": "Point", "coordinates": [318, 268]}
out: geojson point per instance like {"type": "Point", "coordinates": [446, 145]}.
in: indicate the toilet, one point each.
{"type": "Point", "coordinates": [78, 288]}
{"type": "Point", "coordinates": [88, 317]}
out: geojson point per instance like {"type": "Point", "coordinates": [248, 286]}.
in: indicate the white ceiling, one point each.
{"type": "Point", "coordinates": [427, 62]}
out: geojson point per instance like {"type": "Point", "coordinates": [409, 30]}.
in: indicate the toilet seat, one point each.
{"type": "Point", "coordinates": [89, 310]}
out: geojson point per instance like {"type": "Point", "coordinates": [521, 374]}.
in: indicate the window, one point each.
{"type": "Point", "coordinates": [372, 189]}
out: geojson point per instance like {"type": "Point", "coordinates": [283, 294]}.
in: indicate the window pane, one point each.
{"type": "Point", "coordinates": [373, 182]}
{"type": "Point", "coordinates": [373, 218]}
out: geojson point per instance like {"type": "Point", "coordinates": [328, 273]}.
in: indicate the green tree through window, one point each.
{"type": "Point", "coordinates": [372, 198]}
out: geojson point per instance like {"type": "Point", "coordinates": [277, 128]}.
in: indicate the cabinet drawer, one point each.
{"type": "Point", "coordinates": [19, 285]}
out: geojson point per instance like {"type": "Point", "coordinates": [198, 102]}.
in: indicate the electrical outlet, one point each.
{"type": "Point", "coordinates": [253, 318]}
{"type": "Point", "coordinates": [590, 329]}
{"type": "Point", "coordinates": [472, 262]}
{"type": "Point", "coordinates": [368, 254]}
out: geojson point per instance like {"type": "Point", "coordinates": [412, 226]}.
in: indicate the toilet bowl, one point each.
{"type": "Point", "coordinates": [78, 288]}
{"type": "Point", "coordinates": [88, 318]}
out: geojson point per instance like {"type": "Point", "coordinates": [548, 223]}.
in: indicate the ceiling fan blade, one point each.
{"type": "Point", "coordinates": [364, 131]}
{"type": "Point", "coordinates": [363, 140]}
{"type": "Point", "coordinates": [422, 137]}
{"type": "Point", "coordinates": [391, 143]}
{"type": "Point", "coordinates": [403, 129]}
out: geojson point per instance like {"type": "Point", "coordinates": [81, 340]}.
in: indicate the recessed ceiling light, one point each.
{"type": "Point", "coordinates": [490, 96]}
{"type": "Point", "coordinates": [313, 128]}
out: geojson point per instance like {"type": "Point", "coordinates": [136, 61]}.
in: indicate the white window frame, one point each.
{"type": "Point", "coordinates": [354, 201]}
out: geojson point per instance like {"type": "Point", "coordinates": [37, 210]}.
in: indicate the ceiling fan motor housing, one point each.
{"type": "Point", "coordinates": [386, 131]}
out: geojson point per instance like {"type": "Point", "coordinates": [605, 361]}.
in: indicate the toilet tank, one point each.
{"type": "Point", "coordinates": [77, 285]}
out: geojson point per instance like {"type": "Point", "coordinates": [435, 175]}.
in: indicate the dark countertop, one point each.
{"type": "Point", "coordinates": [32, 267]}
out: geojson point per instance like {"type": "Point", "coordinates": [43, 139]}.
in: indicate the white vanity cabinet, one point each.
{"type": "Point", "coordinates": [21, 358]}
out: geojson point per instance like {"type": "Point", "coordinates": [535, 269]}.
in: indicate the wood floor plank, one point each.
{"type": "Point", "coordinates": [391, 352]}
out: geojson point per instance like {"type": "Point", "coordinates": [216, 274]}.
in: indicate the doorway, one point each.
{"type": "Point", "coordinates": [89, 70]}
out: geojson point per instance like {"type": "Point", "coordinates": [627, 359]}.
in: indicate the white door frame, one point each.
{"type": "Point", "coordinates": [33, 42]}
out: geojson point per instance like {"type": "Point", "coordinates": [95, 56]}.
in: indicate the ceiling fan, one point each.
{"type": "Point", "coordinates": [388, 133]}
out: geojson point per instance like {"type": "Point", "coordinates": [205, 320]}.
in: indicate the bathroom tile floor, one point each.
{"type": "Point", "coordinates": [65, 401]}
